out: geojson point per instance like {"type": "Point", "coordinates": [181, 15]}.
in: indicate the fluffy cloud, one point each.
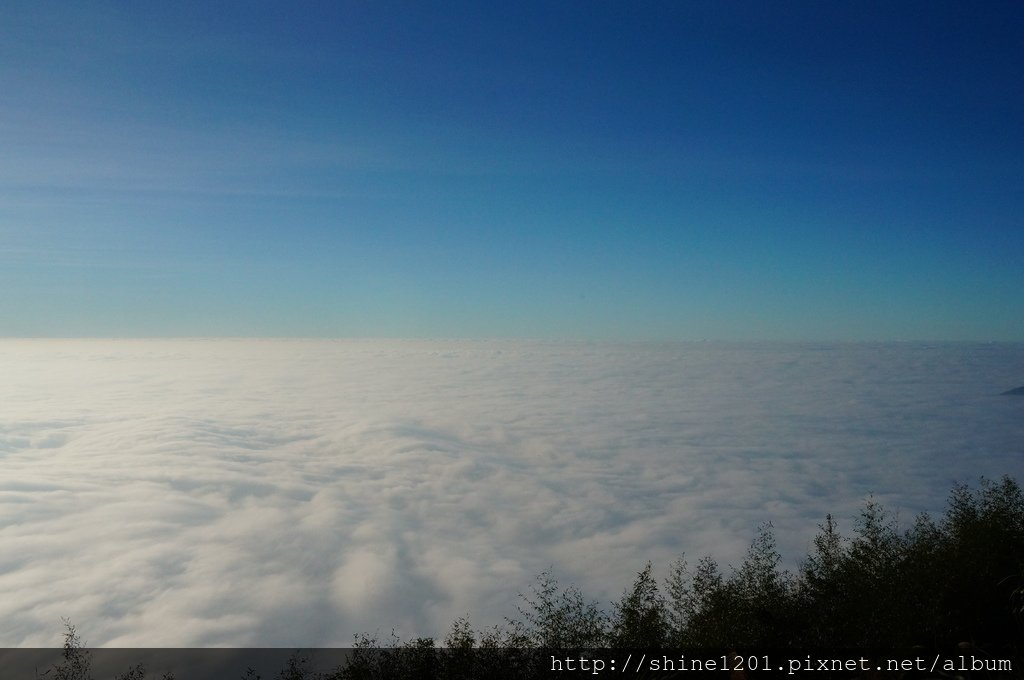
{"type": "Point", "coordinates": [292, 493]}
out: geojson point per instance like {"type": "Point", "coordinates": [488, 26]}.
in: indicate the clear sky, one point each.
{"type": "Point", "coordinates": [654, 170]}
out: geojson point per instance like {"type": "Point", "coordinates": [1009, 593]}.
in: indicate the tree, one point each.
{"type": "Point", "coordinates": [559, 619]}
{"type": "Point", "coordinates": [700, 605]}
{"type": "Point", "coordinates": [640, 618]}
{"type": "Point", "coordinates": [77, 662]}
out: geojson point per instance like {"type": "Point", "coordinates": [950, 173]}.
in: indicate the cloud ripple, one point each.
{"type": "Point", "coordinates": [292, 493]}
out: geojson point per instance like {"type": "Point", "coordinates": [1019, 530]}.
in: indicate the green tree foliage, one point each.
{"type": "Point", "coordinates": [762, 604]}
{"type": "Point", "coordinates": [939, 583]}
{"type": "Point", "coordinates": [557, 618]}
{"type": "Point", "coordinates": [874, 566]}
{"type": "Point", "coordinates": [640, 618]}
{"type": "Point", "coordinates": [77, 662]}
{"type": "Point", "coordinates": [700, 604]}
{"type": "Point", "coordinates": [984, 534]}
{"type": "Point", "coordinates": [823, 593]}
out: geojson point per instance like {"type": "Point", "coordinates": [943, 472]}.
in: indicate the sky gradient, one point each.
{"type": "Point", "coordinates": [729, 170]}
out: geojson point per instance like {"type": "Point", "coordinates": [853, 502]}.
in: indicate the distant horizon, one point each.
{"type": "Point", "coordinates": [537, 339]}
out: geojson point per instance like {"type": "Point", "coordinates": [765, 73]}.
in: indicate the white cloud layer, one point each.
{"type": "Point", "coordinates": [292, 493]}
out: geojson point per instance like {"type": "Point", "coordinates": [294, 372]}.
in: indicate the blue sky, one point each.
{"type": "Point", "coordinates": [593, 170]}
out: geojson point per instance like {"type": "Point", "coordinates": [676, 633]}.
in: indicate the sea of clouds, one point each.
{"type": "Point", "coordinates": [293, 493]}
